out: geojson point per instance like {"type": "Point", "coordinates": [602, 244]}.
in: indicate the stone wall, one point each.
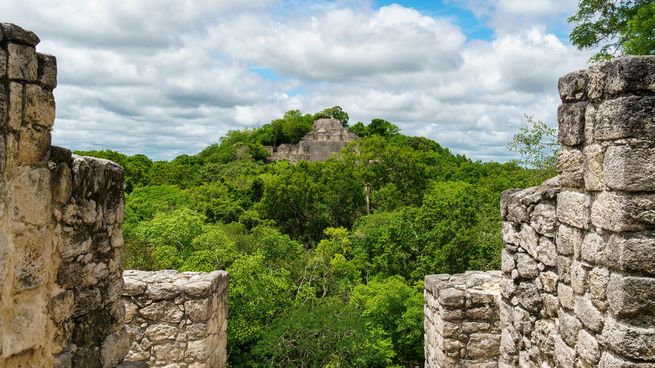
{"type": "Point", "coordinates": [60, 228]}
{"type": "Point", "coordinates": [461, 320]}
{"type": "Point", "coordinates": [588, 298]}
{"type": "Point", "coordinates": [579, 259]}
{"type": "Point", "coordinates": [177, 319]}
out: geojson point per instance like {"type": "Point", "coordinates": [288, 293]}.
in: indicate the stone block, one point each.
{"type": "Point", "coordinates": [31, 190]}
{"type": "Point", "coordinates": [630, 169]}
{"type": "Point", "coordinates": [568, 239]}
{"type": "Point", "coordinates": [564, 355]}
{"type": "Point", "coordinates": [592, 249]}
{"type": "Point", "coordinates": [33, 146]}
{"type": "Point", "coordinates": [13, 33]}
{"type": "Point", "coordinates": [23, 328]}
{"type": "Point", "coordinates": [573, 86]}
{"type": "Point", "coordinates": [571, 118]}
{"type": "Point", "coordinates": [578, 278]}
{"type": "Point", "coordinates": [597, 281]}
{"type": "Point", "coordinates": [630, 74]}
{"type": "Point", "coordinates": [623, 212]}
{"type": "Point", "coordinates": [590, 317]}
{"type": "Point", "coordinates": [594, 178]}
{"type": "Point", "coordinates": [625, 117]}
{"type": "Point", "coordinates": [22, 63]}
{"type": "Point", "coordinates": [573, 209]}
{"type": "Point", "coordinates": [528, 296]}
{"type": "Point", "coordinates": [631, 342]}
{"type": "Point", "coordinates": [546, 252]}
{"type": "Point", "coordinates": [452, 297]}
{"type": "Point", "coordinates": [608, 360]}
{"type": "Point", "coordinates": [569, 326]}
{"type": "Point", "coordinates": [570, 164]}
{"type": "Point", "coordinates": [632, 299]}
{"type": "Point", "coordinates": [47, 73]}
{"type": "Point", "coordinates": [526, 266]}
{"type": "Point", "coordinates": [39, 106]}
{"type": "Point", "coordinates": [507, 261]}
{"type": "Point", "coordinates": [633, 252]}
{"type": "Point", "coordinates": [544, 219]}
{"type": "Point", "coordinates": [587, 347]}
{"type": "Point", "coordinates": [528, 239]}
{"type": "Point", "coordinates": [483, 346]}
{"type": "Point", "coordinates": [564, 268]}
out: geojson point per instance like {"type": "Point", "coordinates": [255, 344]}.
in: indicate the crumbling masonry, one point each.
{"type": "Point", "coordinates": [61, 284]}
{"type": "Point", "coordinates": [578, 284]}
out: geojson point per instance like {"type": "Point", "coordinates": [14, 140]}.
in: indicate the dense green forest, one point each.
{"type": "Point", "coordinates": [326, 259]}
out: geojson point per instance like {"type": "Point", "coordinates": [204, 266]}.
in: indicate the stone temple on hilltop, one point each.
{"type": "Point", "coordinates": [327, 138]}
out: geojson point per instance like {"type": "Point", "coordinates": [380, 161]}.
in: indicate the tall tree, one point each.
{"type": "Point", "coordinates": [617, 26]}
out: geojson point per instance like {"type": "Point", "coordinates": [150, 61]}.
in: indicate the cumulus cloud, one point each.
{"type": "Point", "coordinates": [166, 77]}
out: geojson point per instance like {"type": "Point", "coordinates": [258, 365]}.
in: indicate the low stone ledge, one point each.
{"type": "Point", "coordinates": [462, 319]}
{"type": "Point", "coordinates": [176, 318]}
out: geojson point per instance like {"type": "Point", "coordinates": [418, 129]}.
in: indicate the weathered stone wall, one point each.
{"type": "Point", "coordinates": [177, 319]}
{"type": "Point", "coordinates": [461, 320]}
{"type": "Point", "coordinates": [60, 228]}
{"type": "Point", "coordinates": [327, 138]}
{"type": "Point", "coordinates": [579, 259]}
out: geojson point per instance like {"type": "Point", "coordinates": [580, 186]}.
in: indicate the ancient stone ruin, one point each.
{"type": "Point", "coordinates": [327, 138]}
{"type": "Point", "coordinates": [60, 230]}
{"type": "Point", "coordinates": [578, 285]}
{"type": "Point", "coordinates": [176, 318]}
{"type": "Point", "coordinates": [61, 282]}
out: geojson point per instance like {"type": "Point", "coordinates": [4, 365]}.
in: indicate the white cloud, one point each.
{"type": "Point", "coordinates": [170, 77]}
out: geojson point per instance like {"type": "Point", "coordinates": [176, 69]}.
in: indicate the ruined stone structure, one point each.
{"type": "Point", "coordinates": [579, 259]}
{"type": "Point", "coordinates": [61, 281]}
{"type": "Point", "coordinates": [327, 138]}
{"type": "Point", "coordinates": [177, 319]}
{"type": "Point", "coordinates": [60, 228]}
{"type": "Point", "coordinates": [461, 320]}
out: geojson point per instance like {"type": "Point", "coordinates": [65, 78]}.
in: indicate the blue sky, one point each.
{"type": "Point", "coordinates": [165, 77]}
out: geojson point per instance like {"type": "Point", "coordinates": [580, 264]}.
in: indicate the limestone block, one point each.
{"type": "Point", "coordinates": [632, 299]}
{"type": "Point", "coordinates": [546, 252]}
{"type": "Point", "coordinates": [564, 355]}
{"type": "Point", "coordinates": [483, 346]}
{"type": "Point", "coordinates": [564, 268]}
{"type": "Point", "coordinates": [588, 314]}
{"type": "Point", "coordinates": [566, 296]}
{"type": "Point", "coordinates": [569, 326]}
{"type": "Point", "coordinates": [598, 280]}
{"type": "Point", "coordinates": [610, 361]}
{"type": "Point", "coordinates": [633, 252]}
{"type": "Point", "coordinates": [161, 331]}
{"type": "Point", "coordinates": [32, 259]}
{"type": "Point", "coordinates": [47, 73]}
{"type": "Point", "coordinates": [528, 239]}
{"type": "Point", "coordinates": [630, 169]}
{"type": "Point", "coordinates": [629, 341]}
{"type": "Point", "coordinates": [549, 281]}
{"type": "Point", "coordinates": [165, 311]}
{"type": "Point", "coordinates": [587, 347]}
{"type": "Point", "coordinates": [528, 296]}
{"type": "Point", "coordinates": [573, 86]}
{"type": "Point", "coordinates": [573, 209]}
{"type": "Point", "coordinates": [23, 328]}
{"type": "Point", "coordinates": [626, 117]}
{"type": "Point", "coordinates": [592, 249]}
{"type": "Point", "coordinates": [544, 219]}
{"type": "Point", "coordinates": [31, 191]}
{"type": "Point", "coordinates": [13, 33]}
{"type": "Point", "coordinates": [507, 261]}
{"type": "Point", "coordinates": [526, 266]}
{"type": "Point", "coordinates": [39, 106]}
{"type": "Point", "coordinates": [22, 63]}
{"type": "Point", "coordinates": [568, 239]}
{"type": "Point", "coordinates": [33, 147]}
{"type": "Point", "coordinates": [623, 212]}
{"type": "Point", "coordinates": [571, 118]}
{"type": "Point", "coordinates": [570, 164]}
{"type": "Point", "coordinates": [631, 74]}
{"type": "Point", "coordinates": [114, 348]}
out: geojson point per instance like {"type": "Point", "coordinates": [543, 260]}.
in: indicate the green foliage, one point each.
{"type": "Point", "coordinates": [326, 259]}
{"type": "Point", "coordinates": [328, 334]}
{"type": "Point", "coordinates": [136, 167]}
{"type": "Point", "coordinates": [334, 112]}
{"type": "Point", "coordinates": [617, 26]}
{"type": "Point", "coordinates": [537, 143]}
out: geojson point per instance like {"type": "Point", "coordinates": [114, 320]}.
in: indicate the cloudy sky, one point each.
{"type": "Point", "coordinates": [166, 77]}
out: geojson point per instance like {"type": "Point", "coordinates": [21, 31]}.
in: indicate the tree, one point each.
{"type": "Point", "coordinates": [334, 112]}
{"type": "Point", "coordinates": [617, 26]}
{"type": "Point", "coordinates": [536, 142]}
